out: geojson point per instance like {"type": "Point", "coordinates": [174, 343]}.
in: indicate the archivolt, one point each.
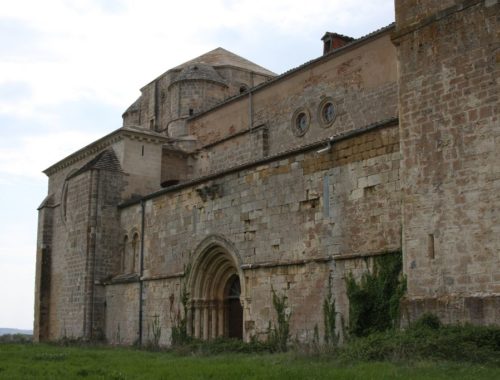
{"type": "Point", "coordinates": [215, 262]}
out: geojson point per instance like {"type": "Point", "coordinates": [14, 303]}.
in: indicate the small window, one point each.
{"type": "Point", "coordinates": [191, 112]}
{"type": "Point", "coordinates": [300, 122]}
{"type": "Point", "coordinates": [327, 112]}
{"type": "Point", "coordinates": [243, 89]}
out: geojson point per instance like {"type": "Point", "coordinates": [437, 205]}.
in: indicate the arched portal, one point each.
{"type": "Point", "coordinates": [216, 292]}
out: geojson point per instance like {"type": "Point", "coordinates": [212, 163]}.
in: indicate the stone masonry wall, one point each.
{"type": "Point", "coordinates": [122, 313]}
{"type": "Point", "coordinates": [360, 82]}
{"type": "Point", "coordinates": [243, 148]}
{"type": "Point", "coordinates": [288, 220]}
{"type": "Point", "coordinates": [236, 78]}
{"type": "Point", "coordinates": [142, 162]}
{"type": "Point", "coordinates": [69, 260]}
{"type": "Point", "coordinates": [162, 101]}
{"type": "Point", "coordinates": [450, 142]}
{"type": "Point", "coordinates": [108, 243]}
{"type": "Point", "coordinates": [83, 220]}
{"type": "Point", "coordinates": [174, 166]}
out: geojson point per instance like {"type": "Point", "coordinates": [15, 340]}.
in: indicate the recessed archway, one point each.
{"type": "Point", "coordinates": [216, 288]}
{"type": "Point", "coordinates": [232, 303]}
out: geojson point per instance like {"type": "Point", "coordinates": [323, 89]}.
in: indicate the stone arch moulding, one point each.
{"type": "Point", "coordinates": [215, 264]}
{"type": "Point", "coordinates": [64, 197]}
{"type": "Point", "coordinates": [131, 251]}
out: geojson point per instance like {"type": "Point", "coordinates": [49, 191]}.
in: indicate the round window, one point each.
{"type": "Point", "coordinates": [327, 112]}
{"type": "Point", "coordinates": [300, 122]}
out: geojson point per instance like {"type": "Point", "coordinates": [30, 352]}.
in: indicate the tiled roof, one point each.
{"type": "Point", "coordinates": [106, 160]}
{"type": "Point", "coordinates": [223, 57]}
{"type": "Point", "coordinates": [106, 141]}
{"type": "Point", "coordinates": [331, 34]}
{"type": "Point", "coordinates": [135, 106]}
{"type": "Point", "coordinates": [298, 68]}
{"type": "Point", "coordinates": [47, 202]}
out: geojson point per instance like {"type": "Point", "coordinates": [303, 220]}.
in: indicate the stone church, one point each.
{"type": "Point", "coordinates": [228, 180]}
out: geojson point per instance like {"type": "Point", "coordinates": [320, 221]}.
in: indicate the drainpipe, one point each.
{"type": "Point", "coordinates": [156, 106]}
{"type": "Point", "coordinates": [141, 270]}
{"type": "Point", "coordinates": [250, 109]}
{"type": "Point", "coordinates": [250, 103]}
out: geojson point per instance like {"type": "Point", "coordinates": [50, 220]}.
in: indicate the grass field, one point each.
{"type": "Point", "coordinates": [26, 361]}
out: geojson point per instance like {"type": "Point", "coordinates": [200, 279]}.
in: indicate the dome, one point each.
{"type": "Point", "coordinates": [199, 71]}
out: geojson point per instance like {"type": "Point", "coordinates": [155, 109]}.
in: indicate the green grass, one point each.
{"type": "Point", "coordinates": [427, 340]}
{"type": "Point", "coordinates": [41, 361]}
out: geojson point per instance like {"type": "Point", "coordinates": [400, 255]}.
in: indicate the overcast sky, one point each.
{"type": "Point", "coordinates": [69, 68]}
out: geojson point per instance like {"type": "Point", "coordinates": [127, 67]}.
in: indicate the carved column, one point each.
{"type": "Point", "coordinates": [213, 313]}
{"type": "Point", "coordinates": [189, 319]}
{"type": "Point", "coordinates": [205, 320]}
{"type": "Point", "coordinates": [197, 318]}
{"type": "Point", "coordinates": [220, 318]}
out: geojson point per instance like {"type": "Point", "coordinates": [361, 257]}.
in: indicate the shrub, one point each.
{"type": "Point", "coordinates": [221, 345]}
{"type": "Point", "coordinates": [428, 320]}
{"type": "Point", "coordinates": [475, 344]}
{"type": "Point", "coordinates": [16, 338]}
{"type": "Point", "coordinates": [374, 301]}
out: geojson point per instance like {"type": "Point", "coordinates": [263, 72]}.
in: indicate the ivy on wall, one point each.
{"type": "Point", "coordinates": [374, 300]}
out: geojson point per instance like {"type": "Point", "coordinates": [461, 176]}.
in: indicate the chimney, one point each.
{"type": "Point", "coordinates": [332, 41]}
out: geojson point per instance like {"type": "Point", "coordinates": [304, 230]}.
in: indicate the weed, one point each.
{"type": "Point", "coordinates": [156, 332]}
{"type": "Point", "coordinates": [279, 335]}
{"type": "Point", "coordinates": [179, 322]}
{"type": "Point", "coordinates": [329, 317]}
{"type": "Point", "coordinates": [118, 337]}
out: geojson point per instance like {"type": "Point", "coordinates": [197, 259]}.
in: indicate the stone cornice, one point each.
{"type": "Point", "coordinates": [102, 143]}
{"type": "Point", "coordinates": [392, 122]}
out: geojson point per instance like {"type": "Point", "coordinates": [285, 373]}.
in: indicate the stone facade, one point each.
{"type": "Point", "coordinates": [227, 181]}
{"type": "Point", "coordinates": [448, 112]}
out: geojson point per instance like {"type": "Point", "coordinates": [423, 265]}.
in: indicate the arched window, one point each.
{"type": "Point", "coordinates": [131, 251]}
{"type": "Point", "coordinates": [124, 254]}
{"type": "Point", "coordinates": [135, 254]}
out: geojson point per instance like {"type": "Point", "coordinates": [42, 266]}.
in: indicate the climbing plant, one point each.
{"type": "Point", "coordinates": [155, 329]}
{"type": "Point", "coordinates": [178, 319]}
{"type": "Point", "coordinates": [279, 335]}
{"type": "Point", "coordinates": [329, 316]}
{"type": "Point", "coordinates": [374, 300]}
